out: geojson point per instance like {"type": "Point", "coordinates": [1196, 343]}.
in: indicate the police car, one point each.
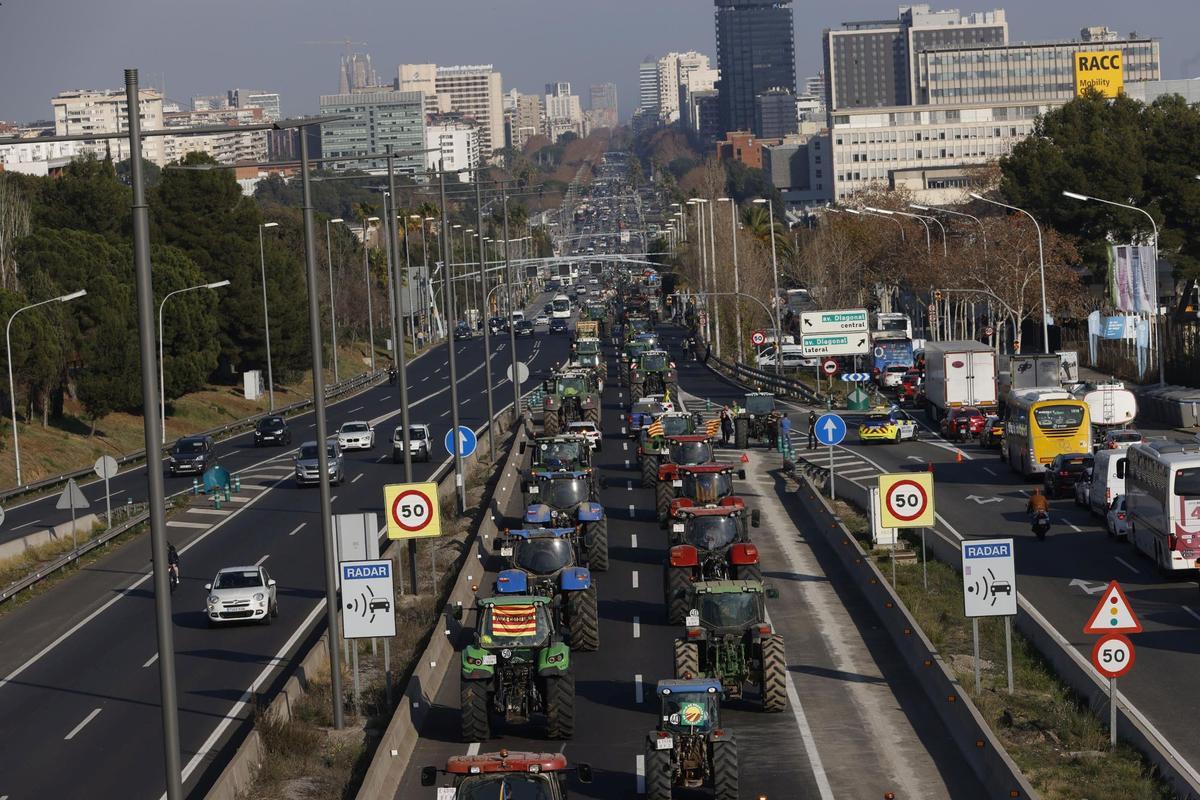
{"type": "Point", "coordinates": [886, 425]}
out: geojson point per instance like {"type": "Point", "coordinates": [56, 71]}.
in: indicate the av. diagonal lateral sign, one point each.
{"type": "Point", "coordinates": [835, 344]}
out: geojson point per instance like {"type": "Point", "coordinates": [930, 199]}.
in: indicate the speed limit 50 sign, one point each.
{"type": "Point", "coordinates": [412, 510]}
{"type": "Point", "coordinates": [906, 500]}
{"type": "Point", "coordinates": [1112, 656]}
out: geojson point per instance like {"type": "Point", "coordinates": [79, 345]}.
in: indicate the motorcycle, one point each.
{"type": "Point", "coordinates": [173, 575]}
{"type": "Point", "coordinates": [1041, 524]}
{"type": "Point", "coordinates": [392, 377]}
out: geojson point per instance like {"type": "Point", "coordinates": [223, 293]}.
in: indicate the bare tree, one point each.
{"type": "Point", "coordinates": [14, 224]}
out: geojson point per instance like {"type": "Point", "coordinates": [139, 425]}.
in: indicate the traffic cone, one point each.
{"type": "Point", "coordinates": [745, 458]}
{"type": "Point", "coordinates": [930, 467]}
{"type": "Point", "coordinates": [958, 456]}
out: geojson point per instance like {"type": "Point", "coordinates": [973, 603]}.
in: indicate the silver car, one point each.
{"type": "Point", "coordinates": [241, 593]}
{"type": "Point", "coordinates": [308, 469]}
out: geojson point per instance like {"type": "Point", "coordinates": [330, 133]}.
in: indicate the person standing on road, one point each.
{"type": "Point", "coordinates": [785, 430]}
{"type": "Point", "coordinates": [812, 430]}
{"type": "Point", "coordinates": [726, 425]}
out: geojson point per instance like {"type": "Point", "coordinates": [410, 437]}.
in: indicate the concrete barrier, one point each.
{"type": "Point", "coordinates": [981, 751]}
{"type": "Point", "coordinates": [58, 533]}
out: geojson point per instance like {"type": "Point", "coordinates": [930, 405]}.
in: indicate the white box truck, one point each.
{"type": "Point", "coordinates": [959, 374]}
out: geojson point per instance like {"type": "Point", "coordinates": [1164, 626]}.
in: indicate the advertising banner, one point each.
{"type": "Point", "coordinates": [1100, 70]}
{"type": "Point", "coordinates": [1132, 269]}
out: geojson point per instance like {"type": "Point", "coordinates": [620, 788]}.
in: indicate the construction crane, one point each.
{"type": "Point", "coordinates": [345, 43]}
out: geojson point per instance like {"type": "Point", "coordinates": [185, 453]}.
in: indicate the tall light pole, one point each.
{"type": "Point", "coordinates": [262, 264]}
{"type": "Point", "coordinates": [983, 239]}
{"type": "Point", "coordinates": [12, 394]}
{"type": "Point", "coordinates": [487, 328]}
{"type": "Point", "coordinates": [737, 288]}
{"type": "Point", "coordinates": [712, 267]}
{"type": "Point", "coordinates": [162, 392]}
{"type": "Point", "coordinates": [1041, 265]}
{"type": "Point", "coordinates": [367, 275]}
{"type": "Point", "coordinates": [697, 203]}
{"type": "Point", "coordinates": [775, 273]}
{"type": "Point", "coordinates": [448, 286]}
{"type": "Point", "coordinates": [1154, 225]}
{"type": "Point", "coordinates": [928, 244]}
{"type": "Point", "coordinates": [332, 305]}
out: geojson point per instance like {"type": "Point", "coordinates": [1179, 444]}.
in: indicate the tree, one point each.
{"type": "Point", "coordinates": [14, 224]}
{"type": "Point", "coordinates": [111, 360]}
{"type": "Point", "coordinates": [191, 334]}
{"type": "Point", "coordinates": [88, 197]}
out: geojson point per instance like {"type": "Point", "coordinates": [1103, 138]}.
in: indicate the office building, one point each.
{"type": "Point", "coordinates": [929, 150]}
{"type": "Point", "coordinates": [456, 143]}
{"type": "Point", "coordinates": [673, 71]}
{"type": "Point", "coordinates": [874, 63]}
{"type": "Point", "coordinates": [423, 78]}
{"type": "Point", "coordinates": [705, 111]}
{"type": "Point", "coordinates": [201, 102]}
{"type": "Point", "coordinates": [602, 101]}
{"type": "Point", "coordinates": [472, 91]}
{"type": "Point", "coordinates": [524, 118]}
{"type": "Point", "coordinates": [775, 114]}
{"type": "Point", "coordinates": [248, 98]}
{"type": "Point", "coordinates": [563, 111]}
{"type": "Point", "coordinates": [648, 97]}
{"type": "Point", "coordinates": [755, 52]}
{"type": "Point", "coordinates": [373, 121]}
{"type": "Point", "coordinates": [989, 73]}
{"type": "Point", "coordinates": [697, 80]}
{"type": "Point", "coordinates": [83, 111]}
{"type": "Point", "coordinates": [357, 74]}
{"type": "Point", "coordinates": [799, 167]}
{"type": "Point", "coordinates": [1149, 91]}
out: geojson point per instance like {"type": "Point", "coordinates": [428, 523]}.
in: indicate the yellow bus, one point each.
{"type": "Point", "coordinates": [1041, 424]}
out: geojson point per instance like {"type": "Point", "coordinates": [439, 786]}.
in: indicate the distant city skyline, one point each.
{"type": "Point", "coordinates": [572, 40]}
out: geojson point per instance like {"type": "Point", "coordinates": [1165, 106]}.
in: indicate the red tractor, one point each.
{"type": "Point", "coordinates": [708, 543]}
{"type": "Point", "coordinates": [682, 450]}
{"type": "Point", "coordinates": [699, 484]}
{"type": "Point", "coordinates": [506, 774]}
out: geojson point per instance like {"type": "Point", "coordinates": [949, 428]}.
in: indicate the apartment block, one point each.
{"type": "Point", "coordinates": [103, 111]}
{"type": "Point", "coordinates": [455, 143]}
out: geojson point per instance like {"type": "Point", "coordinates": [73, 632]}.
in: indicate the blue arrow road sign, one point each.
{"type": "Point", "coordinates": [467, 441]}
{"type": "Point", "coordinates": [856, 377]}
{"type": "Point", "coordinates": [831, 429]}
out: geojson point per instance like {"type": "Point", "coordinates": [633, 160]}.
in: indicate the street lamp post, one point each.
{"type": "Point", "coordinates": [1041, 265]}
{"type": "Point", "coordinates": [487, 328]}
{"type": "Point", "coordinates": [982, 239]}
{"type": "Point", "coordinates": [928, 241]}
{"type": "Point", "coordinates": [737, 289]}
{"type": "Point", "coordinates": [448, 289]}
{"type": "Point", "coordinates": [775, 274]}
{"type": "Point", "coordinates": [712, 267]}
{"type": "Point", "coordinates": [332, 305]}
{"type": "Point", "coordinates": [12, 394]}
{"type": "Point", "coordinates": [162, 392]}
{"type": "Point", "coordinates": [1154, 225]}
{"type": "Point", "coordinates": [262, 263]}
{"type": "Point", "coordinates": [367, 275]}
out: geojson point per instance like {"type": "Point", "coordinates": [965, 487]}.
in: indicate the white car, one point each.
{"type": "Point", "coordinates": [1117, 520]}
{"type": "Point", "coordinates": [893, 376]}
{"type": "Point", "coordinates": [420, 443]}
{"type": "Point", "coordinates": [356, 435]}
{"type": "Point", "coordinates": [542, 320]}
{"type": "Point", "coordinates": [241, 593]}
{"type": "Point", "coordinates": [668, 405]}
{"type": "Point", "coordinates": [588, 430]}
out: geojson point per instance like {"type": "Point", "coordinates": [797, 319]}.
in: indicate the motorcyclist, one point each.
{"type": "Point", "coordinates": [392, 373]}
{"type": "Point", "coordinates": [1038, 504]}
{"type": "Point", "coordinates": [173, 561]}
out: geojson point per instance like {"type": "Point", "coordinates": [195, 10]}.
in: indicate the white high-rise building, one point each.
{"type": "Point", "coordinates": [455, 144]}
{"type": "Point", "coordinates": [474, 92]}
{"type": "Point", "coordinates": [673, 71]}
{"type": "Point", "coordinates": [226, 147]}
{"type": "Point", "coordinates": [82, 111]}
{"type": "Point", "coordinates": [563, 111]}
{"type": "Point", "coordinates": [423, 78]}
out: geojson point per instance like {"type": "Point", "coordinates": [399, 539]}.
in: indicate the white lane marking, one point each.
{"type": "Point", "coordinates": [297, 529]}
{"type": "Point", "coordinates": [473, 749]}
{"type": "Point", "coordinates": [216, 512]}
{"type": "Point", "coordinates": [1071, 525]}
{"type": "Point", "coordinates": [446, 413]}
{"type": "Point", "coordinates": [631, 511]}
{"type": "Point", "coordinates": [17, 528]}
{"type": "Point", "coordinates": [633, 540]}
{"type": "Point", "coordinates": [174, 523]}
{"type": "Point", "coordinates": [989, 472]}
{"type": "Point", "coordinates": [635, 579]}
{"type": "Point", "coordinates": [639, 768]}
{"type": "Point", "coordinates": [355, 410]}
{"type": "Point", "coordinates": [424, 379]}
{"type": "Point", "coordinates": [638, 690]}
{"type": "Point", "coordinates": [356, 478]}
{"type": "Point", "coordinates": [1128, 566]}
{"type": "Point", "coordinates": [628, 484]}
{"type": "Point", "coordinates": [637, 627]}
{"type": "Point", "coordinates": [79, 727]}
{"type": "Point", "coordinates": [1193, 613]}
{"type": "Point", "coordinates": [248, 694]}
{"type": "Point", "coordinates": [623, 430]}
{"type": "Point", "coordinates": [313, 425]}
{"type": "Point", "coordinates": [150, 661]}
{"type": "Point", "coordinates": [855, 471]}
{"type": "Point", "coordinates": [259, 563]}
{"type": "Point", "coordinates": [624, 446]}
{"type": "Point", "coordinates": [627, 463]}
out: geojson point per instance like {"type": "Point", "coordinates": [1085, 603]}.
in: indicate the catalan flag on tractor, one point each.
{"type": "Point", "coordinates": [655, 429]}
{"type": "Point", "coordinates": [514, 620]}
{"type": "Point", "coordinates": [712, 427]}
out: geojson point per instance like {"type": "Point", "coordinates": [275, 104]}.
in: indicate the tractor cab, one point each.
{"type": "Point", "coordinates": [723, 607]}
{"type": "Point", "coordinates": [541, 561]}
{"type": "Point", "coordinates": [690, 706]}
{"type": "Point", "coordinates": [505, 776]}
{"type": "Point", "coordinates": [560, 453]}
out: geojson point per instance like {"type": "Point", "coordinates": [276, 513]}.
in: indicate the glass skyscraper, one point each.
{"type": "Point", "coordinates": [755, 53]}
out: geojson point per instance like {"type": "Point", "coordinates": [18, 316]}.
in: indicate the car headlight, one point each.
{"type": "Point", "coordinates": [259, 597]}
{"type": "Point", "coordinates": [213, 599]}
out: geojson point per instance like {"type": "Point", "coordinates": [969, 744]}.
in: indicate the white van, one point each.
{"type": "Point", "coordinates": [1108, 480]}
{"type": "Point", "coordinates": [793, 357]}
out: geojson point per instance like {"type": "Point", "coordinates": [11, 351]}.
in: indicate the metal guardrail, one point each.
{"type": "Point", "coordinates": [761, 378]}
{"type": "Point", "coordinates": [221, 431]}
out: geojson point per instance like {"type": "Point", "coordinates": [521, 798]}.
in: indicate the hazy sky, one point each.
{"type": "Point", "coordinates": [209, 46]}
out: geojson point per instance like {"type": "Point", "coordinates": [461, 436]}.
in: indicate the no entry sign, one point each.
{"type": "Point", "coordinates": [412, 510]}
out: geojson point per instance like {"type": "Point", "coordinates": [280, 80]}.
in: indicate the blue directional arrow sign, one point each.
{"type": "Point", "coordinates": [467, 441]}
{"type": "Point", "coordinates": [856, 377]}
{"type": "Point", "coordinates": [831, 429]}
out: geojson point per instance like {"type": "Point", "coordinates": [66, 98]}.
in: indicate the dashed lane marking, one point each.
{"type": "Point", "coordinates": [637, 627]}
{"type": "Point", "coordinates": [297, 529]}
{"type": "Point", "coordinates": [175, 523]}
{"type": "Point", "coordinates": [79, 727]}
{"type": "Point", "coordinates": [1128, 566]}
{"type": "Point", "coordinates": [635, 579]}
{"type": "Point", "coordinates": [150, 660]}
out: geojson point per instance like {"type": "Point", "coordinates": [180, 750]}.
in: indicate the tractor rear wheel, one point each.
{"type": "Point", "coordinates": [687, 660]}
{"type": "Point", "coordinates": [635, 392]}
{"type": "Point", "coordinates": [649, 470]}
{"type": "Point", "coordinates": [659, 775]}
{"type": "Point", "coordinates": [595, 535]}
{"type": "Point", "coordinates": [560, 706]}
{"type": "Point", "coordinates": [773, 685]}
{"type": "Point", "coordinates": [664, 493]}
{"type": "Point", "coordinates": [749, 572]}
{"type": "Point", "coordinates": [741, 433]}
{"type": "Point", "coordinates": [584, 620]}
{"type": "Point", "coordinates": [592, 415]}
{"type": "Point", "coordinates": [675, 584]}
{"type": "Point", "coordinates": [551, 423]}
{"type": "Point", "coordinates": [473, 700]}
{"type": "Point", "coordinates": [725, 769]}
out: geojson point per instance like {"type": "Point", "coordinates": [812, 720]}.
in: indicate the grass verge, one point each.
{"type": "Point", "coordinates": [1052, 735]}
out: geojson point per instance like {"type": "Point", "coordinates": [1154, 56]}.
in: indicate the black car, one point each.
{"type": "Point", "coordinates": [272, 430]}
{"type": "Point", "coordinates": [1063, 471]}
{"type": "Point", "coordinates": [558, 325]}
{"type": "Point", "coordinates": [191, 455]}
{"type": "Point", "coordinates": [524, 328]}
{"type": "Point", "coordinates": [462, 331]}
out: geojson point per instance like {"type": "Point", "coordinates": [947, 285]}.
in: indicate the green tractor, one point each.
{"type": "Point", "coordinates": [597, 312]}
{"type": "Point", "coordinates": [757, 420]}
{"type": "Point", "coordinates": [586, 355]}
{"type": "Point", "coordinates": [689, 749]}
{"type": "Point", "coordinates": [729, 639]}
{"type": "Point", "coordinates": [517, 666]}
{"type": "Point", "coordinates": [652, 440]}
{"type": "Point", "coordinates": [571, 396]}
{"type": "Point", "coordinates": [653, 372]}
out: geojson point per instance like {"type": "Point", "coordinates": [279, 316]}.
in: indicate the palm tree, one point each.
{"type": "Point", "coordinates": [757, 222]}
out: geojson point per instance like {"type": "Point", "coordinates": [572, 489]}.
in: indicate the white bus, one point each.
{"type": "Point", "coordinates": [560, 307]}
{"type": "Point", "coordinates": [1162, 498]}
{"type": "Point", "coordinates": [894, 322]}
